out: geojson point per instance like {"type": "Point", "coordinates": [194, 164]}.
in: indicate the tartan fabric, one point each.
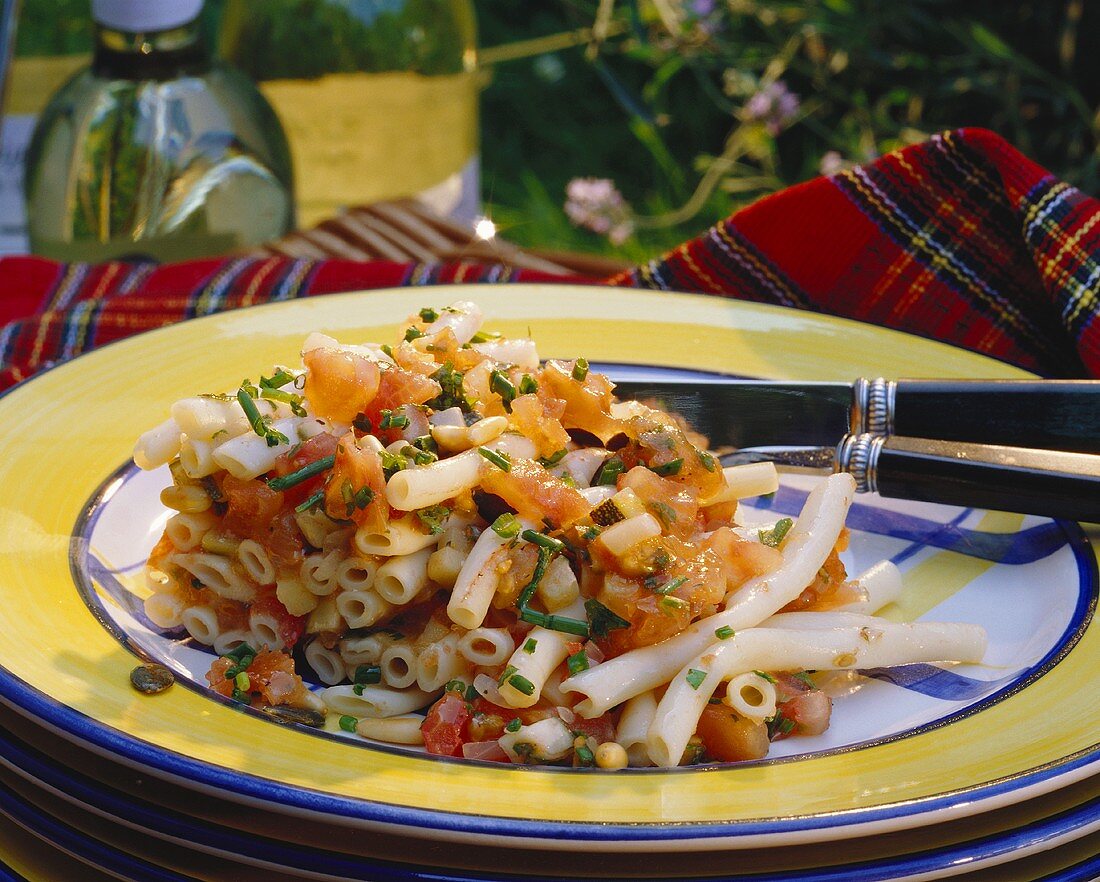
{"type": "Point", "coordinates": [961, 239]}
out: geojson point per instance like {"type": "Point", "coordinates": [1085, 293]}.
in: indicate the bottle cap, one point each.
{"type": "Point", "coordinates": [144, 16]}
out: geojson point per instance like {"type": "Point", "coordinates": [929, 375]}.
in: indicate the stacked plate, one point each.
{"type": "Point", "coordinates": [986, 770]}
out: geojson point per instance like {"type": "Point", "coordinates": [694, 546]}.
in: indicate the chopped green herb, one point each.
{"type": "Point", "coordinates": [412, 334]}
{"type": "Point", "coordinates": [316, 499]}
{"type": "Point", "coordinates": [499, 383]}
{"type": "Point", "coordinates": [528, 385]}
{"type": "Point", "coordinates": [804, 677]}
{"type": "Point", "coordinates": [485, 336]}
{"type": "Point", "coordinates": [775, 535]}
{"type": "Point", "coordinates": [528, 590]}
{"type": "Point", "coordinates": [765, 676]}
{"type": "Point", "coordinates": [434, 517]}
{"type": "Point", "coordinates": [601, 620]}
{"type": "Point", "coordinates": [663, 512]}
{"type": "Point", "coordinates": [530, 646]}
{"type": "Point", "coordinates": [724, 633]}
{"type": "Point", "coordinates": [393, 419]}
{"type": "Point", "coordinates": [242, 697]}
{"type": "Point", "coordinates": [347, 723]}
{"type": "Point", "coordinates": [779, 725]}
{"type": "Point", "coordinates": [706, 460]}
{"type": "Point", "coordinates": [500, 460]}
{"type": "Point", "coordinates": [695, 678]}
{"type": "Point", "coordinates": [608, 474]}
{"type": "Point", "coordinates": [668, 468]}
{"type": "Point", "coordinates": [508, 671]}
{"type": "Point", "coordinates": [259, 423]}
{"type": "Point", "coordinates": [455, 686]}
{"type": "Point", "coordinates": [387, 349]}
{"type": "Point", "coordinates": [577, 662]}
{"type": "Point", "coordinates": [555, 545]}
{"type": "Point", "coordinates": [239, 652]}
{"type": "Point", "coordinates": [670, 585]}
{"type": "Point", "coordinates": [670, 605]}
{"type": "Point", "coordinates": [472, 694]}
{"type": "Point", "coordinates": [580, 369]}
{"type": "Point", "coordinates": [242, 681]}
{"type": "Point", "coordinates": [521, 684]}
{"type": "Point", "coordinates": [507, 526]}
{"type": "Point", "coordinates": [428, 314]}
{"type": "Point", "coordinates": [367, 675]}
{"type": "Point", "coordinates": [513, 725]}
{"type": "Point", "coordinates": [588, 534]}
{"type": "Point", "coordinates": [426, 444]}
{"type": "Point", "coordinates": [392, 463]}
{"type": "Point", "coordinates": [451, 394]}
{"type": "Point", "coordinates": [550, 622]}
{"type": "Point", "coordinates": [357, 688]}
{"type": "Point", "coordinates": [584, 755]}
{"type": "Point", "coordinates": [304, 473]}
{"type": "Point", "coordinates": [553, 460]}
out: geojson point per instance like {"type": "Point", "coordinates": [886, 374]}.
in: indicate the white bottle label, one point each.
{"type": "Point", "coordinates": [15, 137]}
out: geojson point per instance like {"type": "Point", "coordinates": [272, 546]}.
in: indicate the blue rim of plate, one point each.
{"type": "Point", "coordinates": [78, 727]}
{"type": "Point", "coordinates": [232, 843]}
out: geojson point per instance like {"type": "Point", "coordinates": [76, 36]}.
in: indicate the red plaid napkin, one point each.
{"type": "Point", "coordinates": [961, 239]}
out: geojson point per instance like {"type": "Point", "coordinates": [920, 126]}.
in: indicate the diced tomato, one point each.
{"type": "Point", "coordinates": [290, 627]}
{"type": "Point", "coordinates": [252, 505]}
{"type": "Point", "coordinates": [357, 488]}
{"type": "Point", "coordinates": [317, 447]}
{"type": "Point", "coordinates": [538, 419]}
{"type": "Point", "coordinates": [535, 493]}
{"type": "Point", "coordinates": [398, 387]}
{"type": "Point", "coordinates": [601, 728]}
{"type": "Point", "coordinates": [730, 739]}
{"type": "Point", "coordinates": [339, 384]}
{"type": "Point", "coordinates": [444, 728]}
{"type": "Point", "coordinates": [587, 404]}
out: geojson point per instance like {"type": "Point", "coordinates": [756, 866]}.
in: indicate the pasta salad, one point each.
{"type": "Point", "coordinates": [491, 556]}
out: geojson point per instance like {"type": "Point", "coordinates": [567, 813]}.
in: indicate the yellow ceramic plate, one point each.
{"type": "Point", "coordinates": [897, 756]}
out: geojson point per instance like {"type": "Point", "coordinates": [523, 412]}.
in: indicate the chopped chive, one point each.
{"type": "Point", "coordinates": [764, 675]}
{"type": "Point", "coordinates": [551, 622]}
{"type": "Point", "coordinates": [242, 697]}
{"type": "Point", "coordinates": [426, 444]}
{"type": "Point", "coordinates": [242, 681]}
{"type": "Point", "coordinates": [455, 686]}
{"type": "Point", "coordinates": [507, 526]}
{"type": "Point", "coordinates": [485, 336]}
{"type": "Point", "coordinates": [553, 460]}
{"type": "Point", "coordinates": [608, 474]}
{"type": "Point", "coordinates": [278, 379]}
{"type": "Point", "coordinates": [695, 678]}
{"type": "Point", "coordinates": [412, 333]}
{"type": "Point", "coordinates": [580, 369]}
{"type": "Point", "coordinates": [670, 585]}
{"type": "Point", "coordinates": [528, 384]}
{"type": "Point", "coordinates": [706, 460]}
{"type": "Point", "coordinates": [391, 419]}
{"type": "Point", "coordinates": [670, 605]}
{"type": "Point", "coordinates": [504, 387]}
{"type": "Point", "coordinates": [668, 468]}
{"type": "Point", "coordinates": [259, 425]}
{"type": "Point", "coordinates": [500, 460]}
{"type": "Point", "coordinates": [804, 677]}
{"type": "Point", "coordinates": [305, 472]}
{"type": "Point", "coordinates": [295, 401]}
{"type": "Point", "coordinates": [577, 662]}
{"type": "Point", "coordinates": [316, 499]}
{"type": "Point", "coordinates": [357, 688]}
{"type": "Point", "coordinates": [776, 534]}
{"type": "Point", "coordinates": [387, 349]}
{"type": "Point", "coordinates": [521, 684]}
{"type": "Point", "coordinates": [392, 463]}
{"type": "Point", "coordinates": [555, 545]}
{"type": "Point", "coordinates": [513, 725]}
{"type": "Point", "coordinates": [724, 633]}
{"type": "Point", "coordinates": [434, 517]}
{"type": "Point", "coordinates": [508, 671]}
{"type": "Point", "coordinates": [528, 591]}
{"type": "Point", "coordinates": [239, 652]}
{"type": "Point", "coordinates": [347, 723]}
{"type": "Point", "coordinates": [530, 646]}
{"type": "Point", "coordinates": [602, 620]}
{"type": "Point", "coordinates": [585, 755]}
{"type": "Point", "coordinates": [366, 675]}
{"type": "Point", "coordinates": [428, 314]}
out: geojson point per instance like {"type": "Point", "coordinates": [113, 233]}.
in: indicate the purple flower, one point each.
{"type": "Point", "coordinates": [596, 204]}
{"type": "Point", "coordinates": [774, 105]}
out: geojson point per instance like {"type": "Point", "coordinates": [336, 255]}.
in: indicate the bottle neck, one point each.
{"type": "Point", "coordinates": [152, 55]}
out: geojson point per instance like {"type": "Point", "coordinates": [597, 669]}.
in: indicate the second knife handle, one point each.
{"type": "Point", "coordinates": [1047, 414]}
{"type": "Point", "coordinates": [1042, 482]}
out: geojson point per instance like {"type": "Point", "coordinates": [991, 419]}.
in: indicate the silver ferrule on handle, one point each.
{"type": "Point", "coordinates": [873, 406]}
{"type": "Point", "coordinates": [858, 456]}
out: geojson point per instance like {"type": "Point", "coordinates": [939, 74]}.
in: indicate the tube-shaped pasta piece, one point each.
{"type": "Point", "coordinates": [752, 696]}
{"type": "Point", "coordinates": [366, 649]}
{"type": "Point", "coordinates": [621, 537]}
{"type": "Point", "coordinates": [743, 481]}
{"type": "Point", "coordinates": [877, 586]}
{"type": "Point", "coordinates": [633, 728]}
{"type": "Point", "coordinates": [477, 581]}
{"type": "Point", "coordinates": [185, 498]}
{"type": "Point", "coordinates": [596, 495]}
{"type": "Point", "coordinates": [203, 416]}
{"type": "Point", "coordinates": [401, 537]}
{"type": "Point", "coordinates": [248, 455]}
{"type": "Point", "coordinates": [463, 317]}
{"type": "Point", "coordinates": [197, 457]}
{"type": "Point", "coordinates": [543, 741]}
{"type": "Point", "coordinates": [186, 529]}
{"type": "Point", "coordinates": [361, 609]}
{"type": "Point", "coordinates": [808, 544]}
{"type": "Point", "coordinates": [227, 641]}
{"type": "Point", "coordinates": [266, 630]}
{"type": "Point", "coordinates": [520, 351]}
{"type": "Point", "coordinates": [327, 663]}
{"type": "Point", "coordinates": [402, 729]}
{"type": "Point", "coordinates": [165, 610]}
{"type": "Point", "coordinates": [318, 572]}
{"type": "Point", "coordinates": [356, 573]}
{"type": "Point", "coordinates": [158, 446]}
{"type": "Point", "coordinates": [486, 647]}
{"type": "Point", "coordinates": [400, 579]}
{"type": "Point", "coordinates": [538, 654]}
{"type": "Point", "coordinates": [581, 465]}
{"type": "Point", "coordinates": [218, 573]}
{"type": "Point", "coordinates": [375, 701]}
{"type": "Point", "coordinates": [256, 562]}
{"type": "Point", "coordinates": [201, 622]}
{"type": "Point", "coordinates": [439, 663]}
{"type": "Point", "coordinates": [398, 663]}
{"type": "Point", "coordinates": [863, 642]}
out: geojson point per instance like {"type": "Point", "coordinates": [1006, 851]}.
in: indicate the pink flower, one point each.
{"type": "Point", "coordinates": [597, 205]}
{"type": "Point", "coordinates": [831, 163]}
{"type": "Point", "coordinates": [774, 105]}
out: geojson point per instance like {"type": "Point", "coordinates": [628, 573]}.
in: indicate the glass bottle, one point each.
{"type": "Point", "coordinates": [378, 97]}
{"type": "Point", "coordinates": [154, 150]}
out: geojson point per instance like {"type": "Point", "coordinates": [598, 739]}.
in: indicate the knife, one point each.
{"type": "Point", "coordinates": [1052, 414]}
{"type": "Point", "coordinates": [1052, 483]}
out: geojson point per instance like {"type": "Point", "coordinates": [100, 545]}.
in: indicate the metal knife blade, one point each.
{"type": "Point", "coordinates": [752, 413]}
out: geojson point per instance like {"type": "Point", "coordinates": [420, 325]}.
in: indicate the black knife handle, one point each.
{"type": "Point", "coordinates": [1049, 414]}
{"type": "Point", "coordinates": [1043, 482]}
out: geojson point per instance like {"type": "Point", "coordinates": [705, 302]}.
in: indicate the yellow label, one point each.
{"type": "Point", "coordinates": [360, 137]}
{"type": "Point", "coordinates": [34, 80]}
